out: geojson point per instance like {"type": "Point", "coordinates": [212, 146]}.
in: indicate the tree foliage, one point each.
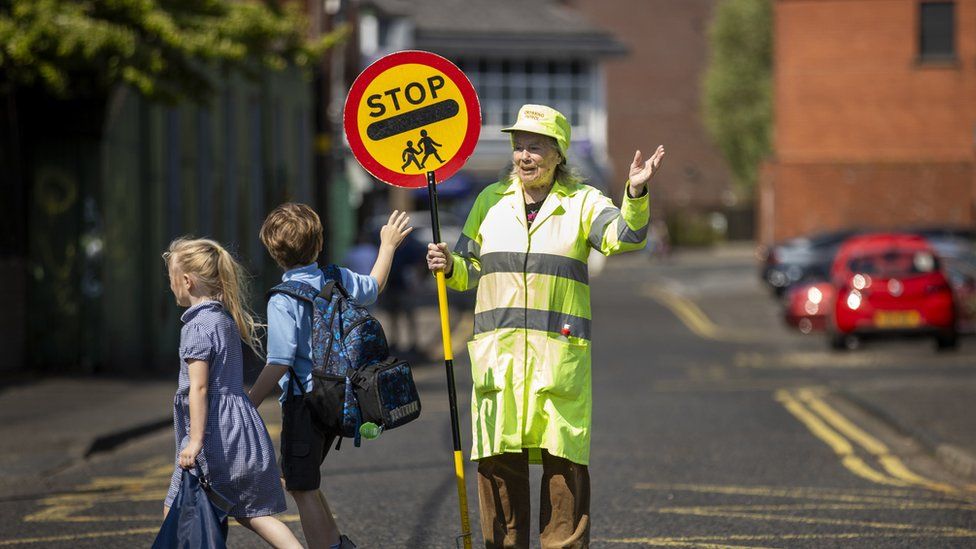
{"type": "Point", "coordinates": [738, 85]}
{"type": "Point", "coordinates": [164, 48]}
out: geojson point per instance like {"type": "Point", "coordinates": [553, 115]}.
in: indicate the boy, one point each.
{"type": "Point", "coordinates": [292, 234]}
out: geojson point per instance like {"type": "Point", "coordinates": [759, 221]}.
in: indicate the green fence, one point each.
{"type": "Point", "coordinates": [105, 206]}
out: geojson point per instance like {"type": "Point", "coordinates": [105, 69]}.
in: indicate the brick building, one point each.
{"type": "Point", "coordinates": [654, 96]}
{"type": "Point", "coordinates": [513, 52]}
{"type": "Point", "coordinates": [627, 73]}
{"type": "Point", "coordinates": [875, 116]}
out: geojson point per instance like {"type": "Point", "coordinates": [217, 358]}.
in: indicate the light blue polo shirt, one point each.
{"type": "Point", "coordinates": [290, 320]}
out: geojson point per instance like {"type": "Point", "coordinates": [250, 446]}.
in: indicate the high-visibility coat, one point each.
{"type": "Point", "coordinates": [531, 384]}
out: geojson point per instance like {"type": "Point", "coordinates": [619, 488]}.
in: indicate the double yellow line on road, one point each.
{"type": "Point", "coordinates": [811, 515]}
{"type": "Point", "coordinates": [821, 419]}
{"type": "Point", "coordinates": [842, 435]}
{"type": "Point", "coordinates": [695, 319]}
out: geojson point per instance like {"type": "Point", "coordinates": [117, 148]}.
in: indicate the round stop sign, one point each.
{"type": "Point", "coordinates": [410, 113]}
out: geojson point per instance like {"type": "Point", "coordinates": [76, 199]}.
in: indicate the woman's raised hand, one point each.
{"type": "Point", "coordinates": [642, 171]}
{"type": "Point", "coordinates": [437, 258]}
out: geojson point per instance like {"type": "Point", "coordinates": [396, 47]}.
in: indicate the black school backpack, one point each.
{"type": "Point", "coordinates": [354, 378]}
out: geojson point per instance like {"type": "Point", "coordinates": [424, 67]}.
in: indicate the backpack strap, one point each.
{"type": "Point", "coordinates": [331, 272]}
{"type": "Point", "coordinates": [304, 291]}
{"type": "Point", "coordinates": [333, 279]}
{"type": "Point", "coordinates": [330, 287]}
{"type": "Point", "coordinates": [293, 379]}
{"type": "Point", "coordinates": [299, 290]}
{"type": "Point", "coordinates": [326, 294]}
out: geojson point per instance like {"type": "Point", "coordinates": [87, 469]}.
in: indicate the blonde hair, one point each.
{"type": "Point", "coordinates": [292, 233]}
{"type": "Point", "coordinates": [564, 173]}
{"type": "Point", "coordinates": [213, 268]}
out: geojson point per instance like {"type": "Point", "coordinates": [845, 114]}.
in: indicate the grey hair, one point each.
{"type": "Point", "coordinates": [568, 175]}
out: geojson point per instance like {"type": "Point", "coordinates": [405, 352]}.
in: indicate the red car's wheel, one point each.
{"type": "Point", "coordinates": [948, 341]}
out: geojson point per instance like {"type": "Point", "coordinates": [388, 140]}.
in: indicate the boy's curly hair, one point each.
{"type": "Point", "coordinates": [292, 233]}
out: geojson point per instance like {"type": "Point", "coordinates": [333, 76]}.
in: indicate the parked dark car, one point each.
{"type": "Point", "coordinates": [956, 247]}
{"type": "Point", "coordinates": [807, 259]}
{"type": "Point", "coordinates": [947, 241]}
{"type": "Point", "coordinates": [802, 259]}
{"type": "Point", "coordinates": [960, 271]}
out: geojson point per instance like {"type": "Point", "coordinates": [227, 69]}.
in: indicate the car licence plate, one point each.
{"type": "Point", "coordinates": [897, 319]}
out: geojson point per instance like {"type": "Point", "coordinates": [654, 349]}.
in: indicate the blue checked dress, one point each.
{"type": "Point", "coordinates": [237, 451]}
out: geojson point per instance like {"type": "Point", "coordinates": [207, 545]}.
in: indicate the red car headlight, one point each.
{"type": "Point", "coordinates": [860, 281]}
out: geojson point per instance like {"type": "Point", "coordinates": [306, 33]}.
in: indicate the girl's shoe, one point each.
{"type": "Point", "coordinates": [344, 543]}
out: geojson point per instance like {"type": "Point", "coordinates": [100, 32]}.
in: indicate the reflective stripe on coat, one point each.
{"type": "Point", "coordinates": [531, 385]}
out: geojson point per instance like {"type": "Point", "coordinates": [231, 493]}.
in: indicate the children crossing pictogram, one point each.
{"type": "Point", "coordinates": [427, 146]}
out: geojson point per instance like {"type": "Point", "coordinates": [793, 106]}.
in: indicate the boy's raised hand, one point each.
{"type": "Point", "coordinates": [391, 236]}
{"type": "Point", "coordinates": [395, 230]}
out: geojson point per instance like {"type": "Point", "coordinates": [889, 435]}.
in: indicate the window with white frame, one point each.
{"type": "Point", "coordinates": [504, 85]}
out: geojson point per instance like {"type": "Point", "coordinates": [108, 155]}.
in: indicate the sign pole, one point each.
{"type": "Point", "coordinates": [404, 112]}
{"type": "Point", "coordinates": [465, 536]}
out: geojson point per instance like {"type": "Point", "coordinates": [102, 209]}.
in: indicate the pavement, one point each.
{"type": "Point", "coordinates": [49, 424]}
{"type": "Point", "coordinates": [936, 413]}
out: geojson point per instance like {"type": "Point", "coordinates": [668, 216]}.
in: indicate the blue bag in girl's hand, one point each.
{"type": "Point", "coordinates": [194, 521]}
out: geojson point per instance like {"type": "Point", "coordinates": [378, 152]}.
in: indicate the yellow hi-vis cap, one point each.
{"type": "Point", "coordinates": [546, 121]}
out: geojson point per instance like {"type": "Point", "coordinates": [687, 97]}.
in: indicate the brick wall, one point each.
{"type": "Point", "coordinates": [865, 133]}
{"type": "Point", "coordinates": [821, 196]}
{"type": "Point", "coordinates": [654, 96]}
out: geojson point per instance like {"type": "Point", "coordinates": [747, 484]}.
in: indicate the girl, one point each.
{"type": "Point", "coordinates": [216, 424]}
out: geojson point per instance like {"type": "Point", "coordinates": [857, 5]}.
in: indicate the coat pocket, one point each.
{"type": "Point", "coordinates": [564, 368]}
{"type": "Point", "coordinates": [489, 366]}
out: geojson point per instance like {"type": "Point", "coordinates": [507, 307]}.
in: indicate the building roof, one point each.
{"type": "Point", "coordinates": [500, 26]}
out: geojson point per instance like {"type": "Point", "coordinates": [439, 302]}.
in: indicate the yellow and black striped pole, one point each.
{"type": "Point", "coordinates": [465, 536]}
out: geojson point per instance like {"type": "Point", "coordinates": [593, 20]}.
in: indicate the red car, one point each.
{"type": "Point", "coordinates": [890, 283]}
{"type": "Point", "coordinates": [808, 306]}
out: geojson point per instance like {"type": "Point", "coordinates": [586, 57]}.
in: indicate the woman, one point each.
{"type": "Point", "coordinates": [525, 246]}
